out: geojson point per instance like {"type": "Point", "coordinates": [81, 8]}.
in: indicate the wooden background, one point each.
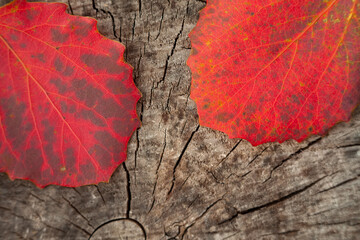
{"type": "Point", "coordinates": [182, 181]}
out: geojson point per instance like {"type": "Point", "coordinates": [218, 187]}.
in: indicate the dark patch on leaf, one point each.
{"type": "Point", "coordinates": [295, 99]}
{"type": "Point", "coordinates": [78, 83]}
{"type": "Point", "coordinates": [14, 37]}
{"type": "Point", "coordinates": [91, 116]}
{"type": "Point", "coordinates": [63, 107]}
{"type": "Point", "coordinates": [117, 87]}
{"type": "Point", "coordinates": [58, 64]}
{"type": "Point", "coordinates": [59, 84]}
{"type": "Point", "coordinates": [81, 28]}
{"type": "Point", "coordinates": [7, 159]}
{"type": "Point", "coordinates": [124, 127]}
{"type": "Point", "coordinates": [102, 155]}
{"type": "Point", "coordinates": [250, 109]}
{"type": "Point", "coordinates": [39, 56]}
{"type": "Point", "coordinates": [70, 159]}
{"type": "Point", "coordinates": [13, 120]}
{"type": "Point", "coordinates": [58, 36]}
{"type": "Point", "coordinates": [108, 141]}
{"type": "Point", "coordinates": [49, 140]}
{"type": "Point", "coordinates": [103, 63]}
{"type": "Point", "coordinates": [88, 171]}
{"type": "Point", "coordinates": [30, 14]}
{"type": "Point", "coordinates": [68, 71]}
{"type": "Point", "coordinates": [223, 117]}
{"type": "Point", "coordinates": [109, 108]}
{"type": "Point", "coordinates": [71, 108]}
{"type": "Point", "coordinates": [285, 117]}
{"type": "Point", "coordinates": [33, 161]}
{"type": "Point", "coordinates": [48, 131]}
{"type": "Point", "coordinates": [90, 95]}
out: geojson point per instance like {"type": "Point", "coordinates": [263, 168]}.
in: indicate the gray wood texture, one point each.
{"type": "Point", "coordinates": [183, 181]}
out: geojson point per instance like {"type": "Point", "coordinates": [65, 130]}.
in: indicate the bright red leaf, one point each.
{"type": "Point", "coordinates": [272, 70]}
{"type": "Point", "coordinates": [67, 99]}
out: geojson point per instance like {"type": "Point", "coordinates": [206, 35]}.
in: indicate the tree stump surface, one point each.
{"type": "Point", "coordinates": [182, 181]}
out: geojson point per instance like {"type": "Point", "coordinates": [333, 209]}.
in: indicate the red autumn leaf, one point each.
{"type": "Point", "coordinates": [67, 99]}
{"type": "Point", "coordinates": [272, 70]}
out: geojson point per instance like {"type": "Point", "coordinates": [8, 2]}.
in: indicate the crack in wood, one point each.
{"type": "Point", "coordinates": [168, 101]}
{"type": "Point", "coordinates": [201, 216]}
{"type": "Point", "coordinates": [137, 135]}
{"type": "Point", "coordinates": [113, 23]}
{"type": "Point", "coordinates": [20, 236]}
{"type": "Point", "coordinates": [139, 2]}
{"type": "Point", "coordinates": [231, 150]}
{"type": "Point", "coordinates": [292, 156]}
{"type": "Point", "coordinates": [281, 233]}
{"type": "Point", "coordinates": [94, 6]}
{"type": "Point", "coordinates": [70, 7]}
{"type": "Point", "coordinates": [160, 25]}
{"type": "Point", "coordinates": [77, 211]}
{"type": "Point", "coordinates": [78, 227]}
{"type": "Point", "coordinates": [120, 219]}
{"type": "Point", "coordinates": [180, 157]}
{"type": "Point", "coordinates": [157, 172]}
{"type": "Point", "coordinates": [49, 226]}
{"type": "Point", "coordinates": [137, 72]}
{"type": "Point", "coordinates": [271, 203]}
{"type": "Point", "coordinates": [348, 145]}
{"type": "Point", "coordinates": [339, 184]}
{"type": "Point", "coordinates": [128, 190]}
{"type": "Point", "coordinates": [37, 197]}
{"type": "Point", "coordinates": [98, 190]}
{"type": "Point", "coordinates": [75, 190]}
{"type": "Point", "coordinates": [107, 12]}
{"type": "Point", "coordinates": [133, 29]}
{"type": "Point", "coordinates": [171, 54]}
{"type": "Point", "coordinates": [257, 155]}
{"type": "Point", "coordinates": [257, 208]}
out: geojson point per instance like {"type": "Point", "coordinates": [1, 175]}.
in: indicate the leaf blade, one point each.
{"type": "Point", "coordinates": [255, 63]}
{"type": "Point", "coordinates": [68, 108]}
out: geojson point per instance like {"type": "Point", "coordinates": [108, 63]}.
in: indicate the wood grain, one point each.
{"type": "Point", "coordinates": [182, 181]}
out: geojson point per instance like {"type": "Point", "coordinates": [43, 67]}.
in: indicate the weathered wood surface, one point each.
{"type": "Point", "coordinates": [182, 181]}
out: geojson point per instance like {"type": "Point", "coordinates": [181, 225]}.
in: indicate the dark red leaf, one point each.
{"type": "Point", "coordinates": [67, 99]}
{"type": "Point", "coordinates": [267, 70]}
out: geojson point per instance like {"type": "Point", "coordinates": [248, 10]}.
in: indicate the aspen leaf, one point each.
{"type": "Point", "coordinates": [67, 98]}
{"type": "Point", "coordinates": [273, 70]}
